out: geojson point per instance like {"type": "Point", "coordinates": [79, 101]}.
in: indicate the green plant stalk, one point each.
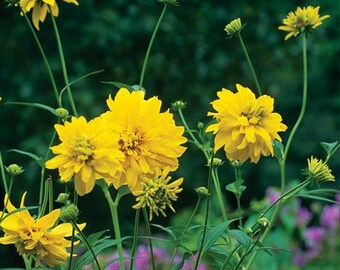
{"type": "Point", "coordinates": [225, 264]}
{"type": "Point", "coordinates": [147, 55]}
{"type": "Point", "coordinates": [115, 222]}
{"type": "Point", "coordinates": [9, 195]}
{"type": "Point", "coordinates": [185, 230]}
{"type": "Point", "coordinates": [63, 66]}
{"type": "Point", "coordinates": [87, 244]}
{"type": "Point", "coordinates": [238, 194]}
{"type": "Point", "coordinates": [3, 177]}
{"type": "Point", "coordinates": [258, 88]}
{"type": "Point", "coordinates": [27, 261]}
{"type": "Point", "coordinates": [199, 255]}
{"type": "Point", "coordinates": [135, 239]}
{"type": "Point", "coordinates": [42, 207]}
{"type": "Point", "coordinates": [47, 64]}
{"type": "Point", "coordinates": [148, 233]}
{"type": "Point", "coordinates": [71, 250]}
{"type": "Point", "coordinates": [214, 173]}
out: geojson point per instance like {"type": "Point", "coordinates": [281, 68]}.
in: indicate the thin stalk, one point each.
{"type": "Point", "coordinates": [238, 181]}
{"type": "Point", "coordinates": [185, 230]}
{"type": "Point", "coordinates": [253, 73]}
{"type": "Point", "coordinates": [304, 96]}
{"type": "Point", "coordinates": [42, 52]}
{"type": "Point", "coordinates": [135, 239]}
{"type": "Point", "coordinates": [27, 261]}
{"type": "Point", "coordinates": [8, 196]}
{"type": "Point", "coordinates": [71, 250]}
{"type": "Point", "coordinates": [199, 255]}
{"type": "Point", "coordinates": [63, 66]}
{"type": "Point", "coordinates": [147, 55]}
{"type": "Point", "coordinates": [226, 262]}
{"type": "Point", "coordinates": [115, 222]}
{"type": "Point", "coordinates": [86, 242]}
{"type": "Point", "coordinates": [3, 177]}
{"type": "Point", "coordinates": [148, 233]}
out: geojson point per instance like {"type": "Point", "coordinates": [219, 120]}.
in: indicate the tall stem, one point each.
{"type": "Point", "coordinates": [252, 70]}
{"type": "Point", "coordinates": [63, 66]}
{"type": "Point", "coordinates": [148, 232]}
{"type": "Point", "coordinates": [135, 239]}
{"type": "Point", "coordinates": [147, 55]}
{"type": "Point", "coordinates": [41, 50]}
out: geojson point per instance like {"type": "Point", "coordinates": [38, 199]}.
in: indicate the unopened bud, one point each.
{"type": "Point", "coordinates": [248, 230]}
{"type": "Point", "coordinates": [62, 113]}
{"type": "Point", "coordinates": [200, 125]}
{"type": "Point", "coordinates": [263, 222]}
{"type": "Point", "coordinates": [62, 198]}
{"type": "Point", "coordinates": [235, 26]}
{"type": "Point", "coordinates": [14, 169]}
{"type": "Point", "coordinates": [178, 105]}
{"type": "Point", "coordinates": [170, 2]}
{"type": "Point", "coordinates": [69, 213]}
{"type": "Point", "coordinates": [217, 162]}
{"type": "Point", "coordinates": [202, 192]}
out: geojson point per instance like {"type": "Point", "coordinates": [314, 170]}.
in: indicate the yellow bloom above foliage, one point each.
{"type": "Point", "coordinates": [157, 193]}
{"type": "Point", "coordinates": [88, 151]}
{"type": "Point", "coordinates": [318, 170]}
{"type": "Point", "coordinates": [246, 125]}
{"type": "Point", "coordinates": [41, 7]}
{"type": "Point", "coordinates": [148, 138]}
{"type": "Point", "coordinates": [303, 19]}
{"type": "Point", "coordinates": [39, 239]}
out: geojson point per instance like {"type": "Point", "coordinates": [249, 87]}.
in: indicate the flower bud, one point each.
{"type": "Point", "coordinates": [169, 2]}
{"type": "Point", "coordinates": [202, 192]}
{"type": "Point", "coordinates": [217, 162]}
{"type": "Point", "coordinates": [69, 213]}
{"type": "Point", "coordinates": [178, 105]}
{"type": "Point", "coordinates": [263, 222]}
{"type": "Point", "coordinates": [200, 125]}
{"type": "Point", "coordinates": [233, 27]}
{"type": "Point", "coordinates": [62, 198]}
{"type": "Point", "coordinates": [62, 113]}
{"type": "Point", "coordinates": [248, 230]}
{"type": "Point", "coordinates": [14, 169]}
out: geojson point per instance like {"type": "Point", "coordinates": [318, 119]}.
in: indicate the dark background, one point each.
{"type": "Point", "coordinates": [191, 60]}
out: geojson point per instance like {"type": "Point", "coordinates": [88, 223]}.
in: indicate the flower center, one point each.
{"type": "Point", "coordinates": [251, 116]}
{"type": "Point", "coordinates": [83, 148]}
{"type": "Point", "coordinates": [130, 142]}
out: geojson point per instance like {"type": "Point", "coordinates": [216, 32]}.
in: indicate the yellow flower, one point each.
{"type": "Point", "coordinates": [246, 125]}
{"type": "Point", "coordinates": [306, 18]}
{"type": "Point", "coordinates": [233, 27]}
{"type": "Point", "coordinates": [88, 151]}
{"type": "Point", "coordinates": [157, 193]}
{"type": "Point", "coordinates": [149, 138]}
{"type": "Point", "coordinates": [318, 170]}
{"type": "Point", "coordinates": [41, 7]}
{"type": "Point", "coordinates": [40, 238]}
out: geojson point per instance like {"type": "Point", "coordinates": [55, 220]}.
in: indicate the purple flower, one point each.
{"type": "Point", "coordinates": [303, 216]}
{"type": "Point", "coordinates": [272, 194]}
{"type": "Point", "coordinates": [314, 236]}
{"type": "Point", "coordinates": [115, 262]}
{"type": "Point", "coordinates": [337, 197]}
{"type": "Point", "coordinates": [142, 258]}
{"type": "Point", "coordinates": [299, 259]}
{"type": "Point", "coordinates": [330, 216]}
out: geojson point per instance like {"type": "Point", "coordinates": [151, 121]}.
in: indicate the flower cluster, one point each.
{"type": "Point", "coordinates": [40, 239]}
{"type": "Point", "coordinates": [246, 125]}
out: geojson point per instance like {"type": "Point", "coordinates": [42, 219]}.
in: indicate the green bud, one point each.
{"type": "Point", "coordinates": [169, 2]}
{"type": "Point", "coordinates": [263, 222]}
{"type": "Point", "coordinates": [69, 213]}
{"type": "Point", "coordinates": [202, 192]}
{"type": "Point", "coordinates": [178, 105]}
{"type": "Point", "coordinates": [200, 125]}
{"type": "Point", "coordinates": [62, 113]}
{"type": "Point", "coordinates": [236, 163]}
{"type": "Point", "coordinates": [217, 162]}
{"type": "Point", "coordinates": [233, 27]}
{"type": "Point", "coordinates": [63, 198]}
{"type": "Point", "coordinates": [248, 230]}
{"type": "Point", "coordinates": [14, 169]}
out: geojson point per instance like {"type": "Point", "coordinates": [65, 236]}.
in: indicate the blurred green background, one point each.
{"type": "Point", "coordinates": [191, 60]}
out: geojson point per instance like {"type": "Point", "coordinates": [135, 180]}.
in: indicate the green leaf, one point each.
{"type": "Point", "coordinates": [235, 189]}
{"type": "Point", "coordinates": [320, 194]}
{"type": "Point", "coordinates": [39, 160]}
{"type": "Point", "coordinates": [35, 105]}
{"type": "Point", "coordinates": [214, 234]}
{"type": "Point", "coordinates": [241, 237]}
{"type": "Point", "coordinates": [120, 85]}
{"type": "Point", "coordinates": [330, 148]}
{"type": "Point", "coordinates": [166, 229]}
{"type": "Point", "coordinates": [278, 149]}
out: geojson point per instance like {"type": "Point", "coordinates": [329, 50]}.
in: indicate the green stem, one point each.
{"type": "Point", "coordinates": [147, 55]}
{"type": "Point", "coordinates": [199, 255]}
{"type": "Point", "coordinates": [27, 261]}
{"type": "Point", "coordinates": [238, 183]}
{"type": "Point", "coordinates": [3, 177]}
{"type": "Point", "coordinates": [185, 230]}
{"type": "Point", "coordinates": [63, 66]}
{"type": "Point", "coordinates": [115, 222]}
{"type": "Point", "coordinates": [41, 50]}
{"type": "Point", "coordinates": [258, 88]}
{"type": "Point", "coordinates": [87, 244]}
{"type": "Point", "coordinates": [8, 196]}
{"type": "Point", "coordinates": [71, 250]}
{"type": "Point", "coordinates": [304, 96]}
{"type": "Point", "coordinates": [135, 239]}
{"type": "Point", "coordinates": [226, 262]}
{"type": "Point", "coordinates": [148, 233]}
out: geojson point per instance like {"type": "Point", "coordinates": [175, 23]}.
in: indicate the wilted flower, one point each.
{"type": "Point", "coordinates": [246, 125]}
{"type": "Point", "coordinates": [157, 193]}
{"type": "Point", "coordinates": [303, 19]}
{"type": "Point", "coordinates": [148, 138]}
{"type": "Point", "coordinates": [88, 151]}
{"type": "Point", "coordinates": [318, 170]}
{"type": "Point", "coordinates": [39, 239]}
{"type": "Point", "coordinates": [41, 7]}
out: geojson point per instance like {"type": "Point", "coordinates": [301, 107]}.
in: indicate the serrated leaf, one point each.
{"type": "Point", "coordinates": [35, 105]}
{"type": "Point", "coordinates": [241, 237]}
